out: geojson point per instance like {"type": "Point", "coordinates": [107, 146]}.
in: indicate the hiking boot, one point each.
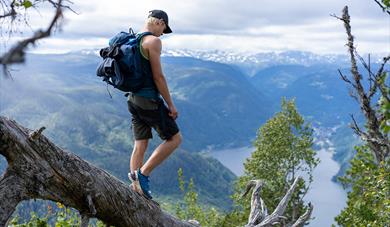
{"type": "Point", "coordinates": [133, 177]}
{"type": "Point", "coordinates": [144, 183]}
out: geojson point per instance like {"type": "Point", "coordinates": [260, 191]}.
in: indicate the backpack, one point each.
{"type": "Point", "coordinates": [122, 66]}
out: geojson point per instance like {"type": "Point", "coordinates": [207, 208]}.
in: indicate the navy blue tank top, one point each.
{"type": "Point", "coordinates": [149, 90]}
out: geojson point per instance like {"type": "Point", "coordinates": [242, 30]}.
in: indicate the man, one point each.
{"type": "Point", "coordinates": [148, 109]}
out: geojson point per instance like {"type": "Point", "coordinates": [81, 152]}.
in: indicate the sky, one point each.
{"type": "Point", "coordinates": [245, 26]}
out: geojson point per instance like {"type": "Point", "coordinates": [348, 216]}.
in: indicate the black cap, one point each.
{"type": "Point", "coordinates": [159, 14]}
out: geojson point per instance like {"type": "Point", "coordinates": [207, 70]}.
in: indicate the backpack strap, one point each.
{"type": "Point", "coordinates": [139, 39]}
{"type": "Point", "coordinates": [141, 35]}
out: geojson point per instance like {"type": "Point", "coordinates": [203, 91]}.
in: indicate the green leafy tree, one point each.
{"type": "Point", "coordinates": [189, 209]}
{"type": "Point", "coordinates": [384, 104]}
{"type": "Point", "coordinates": [283, 151]}
{"type": "Point", "coordinates": [369, 199]}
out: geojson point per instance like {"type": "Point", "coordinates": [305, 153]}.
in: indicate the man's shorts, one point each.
{"type": "Point", "coordinates": [150, 113]}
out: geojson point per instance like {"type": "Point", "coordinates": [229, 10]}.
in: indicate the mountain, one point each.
{"type": "Point", "coordinates": [222, 99]}
{"type": "Point", "coordinates": [319, 92]}
{"type": "Point", "coordinates": [345, 141]}
{"type": "Point", "coordinates": [218, 108]}
{"type": "Point", "coordinates": [218, 99]}
{"type": "Point", "coordinates": [207, 95]}
{"type": "Point", "coordinates": [260, 59]}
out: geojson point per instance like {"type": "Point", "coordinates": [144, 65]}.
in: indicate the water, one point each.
{"type": "Point", "coordinates": [327, 197]}
{"type": "Point", "coordinates": [233, 158]}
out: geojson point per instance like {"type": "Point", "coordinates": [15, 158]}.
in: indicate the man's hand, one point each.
{"type": "Point", "coordinates": [173, 112]}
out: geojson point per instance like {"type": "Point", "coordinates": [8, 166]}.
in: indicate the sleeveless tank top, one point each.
{"type": "Point", "coordinates": [149, 89]}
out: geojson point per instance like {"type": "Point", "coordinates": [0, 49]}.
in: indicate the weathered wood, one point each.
{"type": "Point", "coordinates": [376, 139]}
{"type": "Point", "coordinates": [258, 208]}
{"type": "Point", "coordinates": [11, 192]}
{"type": "Point", "coordinates": [304, 218]}
{"type": "Point", "coordinates": [259, 217]}
{"type": "Point", "coordinates": [37, 168]}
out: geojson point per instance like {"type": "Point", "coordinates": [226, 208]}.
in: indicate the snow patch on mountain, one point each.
{"type": "Point", "coordinates": [259, 59]}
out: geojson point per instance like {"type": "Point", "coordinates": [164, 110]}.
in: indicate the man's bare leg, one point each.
{"type": "Point", "coordinates": [161, 153]}
{"type": "Point", "coordinates": [137, 156]}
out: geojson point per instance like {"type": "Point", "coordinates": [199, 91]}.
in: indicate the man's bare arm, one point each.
{"type": "Point", "coordinates": [154, 51]}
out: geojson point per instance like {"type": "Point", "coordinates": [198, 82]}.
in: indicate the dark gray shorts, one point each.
{"type": "Point", "coordinates": [147, 114]}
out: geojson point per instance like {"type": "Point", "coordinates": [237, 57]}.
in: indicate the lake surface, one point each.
{"type": "Point", "coordinates": [327, 197]}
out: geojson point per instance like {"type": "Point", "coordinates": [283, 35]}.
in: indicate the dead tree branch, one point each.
{"type": "Point", "coordinates": [304, 218]}
{"type": "Point", "coordinates": [258, 208]}
{"type": "Point", "coordinates": [376, 139]}
{"type": "Point", "coordinates": [38, 169]}
{"type": "Point", "coordinates": [12, 12]}
{"type": "Point", "coordinates": [16, 54]}
{"type": "Point", "coordinates": [259, 217]}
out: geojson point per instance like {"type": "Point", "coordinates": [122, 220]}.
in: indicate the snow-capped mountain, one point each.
{"type": "Point", "coordinates": [250, 63]}
{"type": "Point", "coordinates": [259, 59]}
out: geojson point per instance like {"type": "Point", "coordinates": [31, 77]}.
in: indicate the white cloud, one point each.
{"type": "Point", "coordinates": [245, 25]}
{"type": "Point", "coordinates": [60, 46]}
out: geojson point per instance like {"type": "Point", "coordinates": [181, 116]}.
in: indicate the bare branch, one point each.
{"type": "Point", "coordinates": [304, 218]}
{"type": "Point", "coordinates": [17, 53]}
{"type": "Point", "coordinates": [351, 48]}
{"type": "Point", "coordinates": [12, 12]}
{"type": "Point", "coordinates": [379, 75]}
{"type": "Point", "coordinates": [279, 210]}
{"type": "Point", "coordinates": [248, 188]}
{"type": "Point", "coordinates": [59, 5]}
{"type": "Point", "coordinates": [356, 128]}
{"type": "Point", "coordinates": [345, 78]}
{"type": "Point", "coordinates": [353, 95]}
{"type": "Point", "coordinates": [365, 65]}
{"type": "Point", "coordinates": [259, 217]}
{"type": "Point", "coordinates": [377, 78]}
{"type": "Point", "coordinates": [366, 137]}
{"type": "Point", "coordinates": [335, 16]}
{"type": "Point", "coordinates": [377, 141]}
{"type": "Point", "coordinates": [258, 208]}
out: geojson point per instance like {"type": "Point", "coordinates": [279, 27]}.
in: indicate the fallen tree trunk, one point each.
{"type": "Point", "coordinates": [37, 168]}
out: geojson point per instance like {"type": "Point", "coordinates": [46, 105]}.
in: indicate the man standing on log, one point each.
{"type": "Point", "coordinates": [148, 109]}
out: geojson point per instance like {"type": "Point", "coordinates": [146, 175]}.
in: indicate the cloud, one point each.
{"type": "Point", "coordinates": [213, 17]}
{"type": "Point", "coordinates": [248, 25]}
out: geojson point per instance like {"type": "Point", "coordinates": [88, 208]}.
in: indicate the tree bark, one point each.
{"type": "Point", "coordinates": [259, 216]}
{"type": "Point", "coordinates": [375, 138]}
{"type": "Point", "coordinates": [37, 168]}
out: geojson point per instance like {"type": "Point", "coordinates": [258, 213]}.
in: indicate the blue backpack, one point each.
{"type": "Point", "coordinates": [122, 66]}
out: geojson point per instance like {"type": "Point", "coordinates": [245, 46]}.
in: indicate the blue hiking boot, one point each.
{"type": "Point", "coordinates": [144, 183]}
